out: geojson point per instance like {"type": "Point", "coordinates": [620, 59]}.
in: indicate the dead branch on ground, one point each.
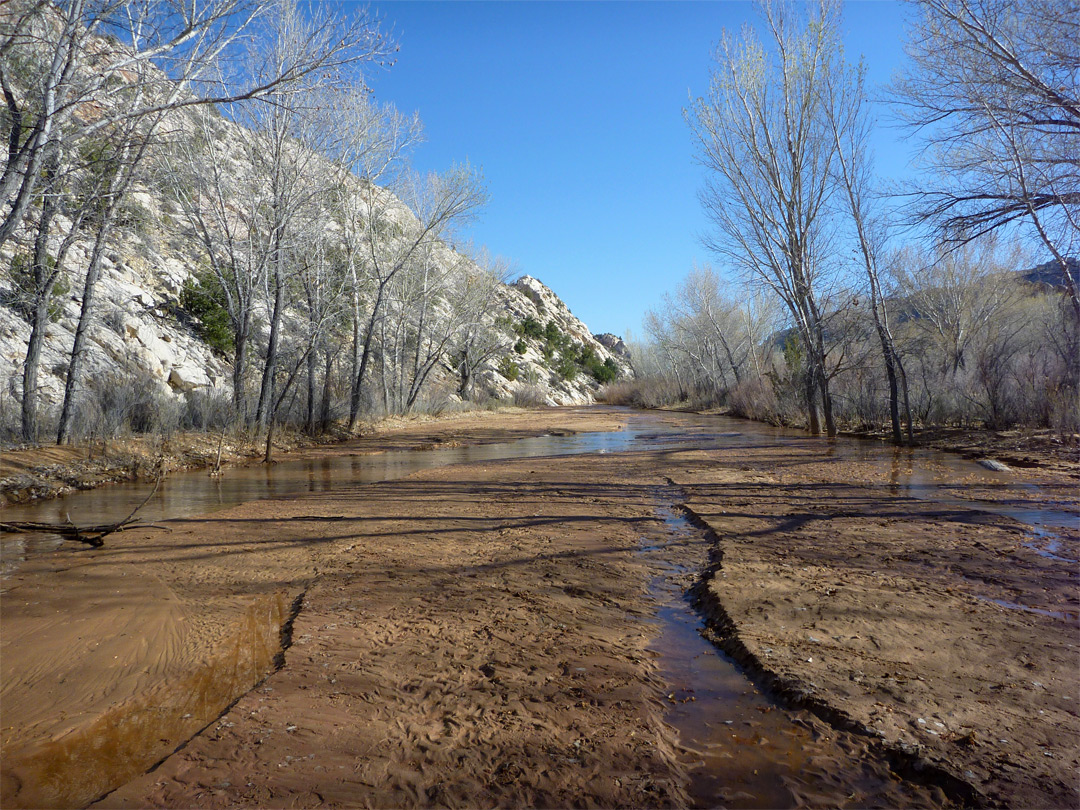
{"type": "Point", "coordinates": [91, 535]}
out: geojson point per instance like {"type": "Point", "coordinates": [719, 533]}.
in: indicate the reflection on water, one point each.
{"type": "Point", "coordinates": [185, 494]}
{"type": "Point", "coordinates": [919, 473]}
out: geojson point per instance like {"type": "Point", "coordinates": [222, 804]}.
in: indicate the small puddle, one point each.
{"type": "Point", "coordinates": [1067, 615]}
{"type": "Point", "coordinates": [1047, 544]}
{"type": "Point", "coordinates": [743, 750]}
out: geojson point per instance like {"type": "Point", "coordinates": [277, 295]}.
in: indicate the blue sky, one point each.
{"type": "Point", "coordinates": [573, 110]}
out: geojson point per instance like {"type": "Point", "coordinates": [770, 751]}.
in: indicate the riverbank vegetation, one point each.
{"type": "Point", "coordinates": [215, 189]}
{"type": "Point", "coordinates": [836, 305]}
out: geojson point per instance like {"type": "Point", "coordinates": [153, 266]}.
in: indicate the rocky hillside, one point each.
{"type": "Point", "coordinates": [145, 337]}
{"type": "Point", "coordinates": [554, 356]}
{"type": "Point", "coordinates": [277, 245]}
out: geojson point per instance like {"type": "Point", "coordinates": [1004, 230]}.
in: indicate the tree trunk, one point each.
{"type": "Point", "coordinates": [826, 405]}
{"type": "Point", "coordinates": [365, 357]}
{"type": "Point", "coordinates": [811, 399]}
{"type": "Point", "coordinates": [311, 365]}
{"type": "Point", "coordinates": [264, 415]}
{"type": "Point", "coordinates": [30, 370]}
{"type": "Point", "coordinates": [240, 337]}
{"type": "Point", "coordinates": [43, 278]}
{"type": "Point", "coordinates": [324, 408]}
{"type": "Point", "coordinates": [93, 271]}
{"type": "Point", "coordinates": [907, 399]}
{"type": "Point", "coordinates": [466, 375]}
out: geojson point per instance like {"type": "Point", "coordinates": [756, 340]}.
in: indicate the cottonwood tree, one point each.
{"type": "Point", "coordinates": [993, 89]}
{"type": "Point", "coordinates": [396, 230]}
{"type": "Point", "coordinates": [957, 294]}
{"type": "Point", "coordinates": [762, 133]}
{"type": "Point", "coordinates": [374, 141]}
{"type": "Point", "coordinates": [478, 338]}
{"type": "Point", "coordinates": [850, 125]}
{"type": "Point", "coordinates": [711, 324]}
{"type": "Point", "coordinates": [219, 196]}
{"type": "Point", "coordinates": [442, 318]}
{"type": "Point", "coordinates": [422, 325]}
{"type": "Point", "coordinates": [665, 345]}
{"type": "Point", "coordinates": [324, 287]}
{"type": "Point", "coordinates": [75, 73]}
{"type": "Point", "coordinates": [60, 63]}
{"type": "Point", "coordinates": [370, 149]}
{"type": "Point", "coordinates": [961, 301]}
{"type": "Point", "coordinates": [116, 160]}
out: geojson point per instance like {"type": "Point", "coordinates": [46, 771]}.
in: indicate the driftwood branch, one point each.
{"type": "Point", "coordinates": [91, 535]}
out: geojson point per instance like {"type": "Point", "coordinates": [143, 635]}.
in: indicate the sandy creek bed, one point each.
{"type": "Point", "coordinates": [505, 632]}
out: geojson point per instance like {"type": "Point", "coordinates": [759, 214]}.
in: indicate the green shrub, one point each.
{"type": "Point", "coordinates": [203, 297]}
{"type": "Point", "coordinates": [520, 347]}
{"type": "Point", "coordinates": [509, 369]}
{"type": "Point", "coordinates": [603, 372]}
{"type": "Point", "coordinates": [530, 327]}
{"type": "Point", "coordinates": [566, 367]}
{"type": "Point", "coordinates": [22, 278]}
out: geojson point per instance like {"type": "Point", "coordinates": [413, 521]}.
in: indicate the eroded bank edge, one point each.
{"type": "Point", "coordinates": [723, 632]}
{"type": "Point", "coordinates": [278, 662]}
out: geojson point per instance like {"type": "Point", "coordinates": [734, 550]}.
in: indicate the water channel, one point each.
{"type": "Point", "coordinates": [744, 750]}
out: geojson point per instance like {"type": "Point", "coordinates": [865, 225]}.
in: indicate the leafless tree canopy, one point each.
{"type": "Point", "coordinates": [945, 329]}
{"type": "Point", "coordinates": [993, 88]}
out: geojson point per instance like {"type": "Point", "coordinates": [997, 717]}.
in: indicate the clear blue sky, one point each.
{"type": "Point", "coordinates": [574, 112]}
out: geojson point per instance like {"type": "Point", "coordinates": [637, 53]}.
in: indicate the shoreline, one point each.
{"type": "Point", "coordinates": [30, 475]}
{"type": "Point", "coordinates": [46, 472]}
{"type": "Point", "coordinates": [515, 589]}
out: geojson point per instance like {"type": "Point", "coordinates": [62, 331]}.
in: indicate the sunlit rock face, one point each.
{"type": "Point", "coordinates": [142, 336]}
{"type": "Point", "coordinates": [542, 375]}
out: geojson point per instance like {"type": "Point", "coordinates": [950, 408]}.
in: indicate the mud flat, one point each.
{"type": "Point", "coordinates": [485, 634]}
{"type": "Point", "coordinates": [950, 633]}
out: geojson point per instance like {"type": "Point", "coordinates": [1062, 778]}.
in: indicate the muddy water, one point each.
{"type": "Point", "coordinates": [185, 494]}
{"type": "Point", "coordinates": [742, 749]}
{"type": "Point", "coordinates": [748, 752]}
{"type": "Point", "coordinates": [86, 761]}
{"type": "Point", "coordinates": [922, 473]}
{"type": "Point", "coordinates": [919, 473]}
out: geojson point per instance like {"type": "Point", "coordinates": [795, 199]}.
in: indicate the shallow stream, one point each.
{"type": "Point", "coordinates": [747, 751]}
{"type": "Point", "coordinates": [919, 473]}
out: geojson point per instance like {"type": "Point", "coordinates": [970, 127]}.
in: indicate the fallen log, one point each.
{"type": "Point", "coordinates": [91, 535]}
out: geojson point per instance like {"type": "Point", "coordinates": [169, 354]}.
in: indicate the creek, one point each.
{"type": "Point", "coordinates": [743, 749]}
{"type": "Point", "coordinates": [920, 473]}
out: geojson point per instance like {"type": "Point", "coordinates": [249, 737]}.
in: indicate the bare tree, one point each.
{"type": "Point", "coordinates": [219, 199]}
{"type": "Point", "coordinates": [60, 63]}
{"type": "Point", "coordinates": [118, 167]}
{"type": "Point", "coordinates": [957, 294]}
{"type": "Point", "coordinates": [374, 141]}
{"type": "Point", "coordinates": [993, 87]}
{"type": "Point", "coordinates": [478, 338]}
{"type": "Point", "coordinates": [850, 125]}
{"type": "Point", "coordinates": [762, 133]}
{"type": "Point", "coordinates": [711, 320]}
{"type": "Point", "coordinates": [67, 86]}
{"type": "Point", "coordinates": [395, 233]}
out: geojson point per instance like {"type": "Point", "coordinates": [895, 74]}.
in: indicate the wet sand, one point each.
{"type": "Point", "coordinates": [480, 635]}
